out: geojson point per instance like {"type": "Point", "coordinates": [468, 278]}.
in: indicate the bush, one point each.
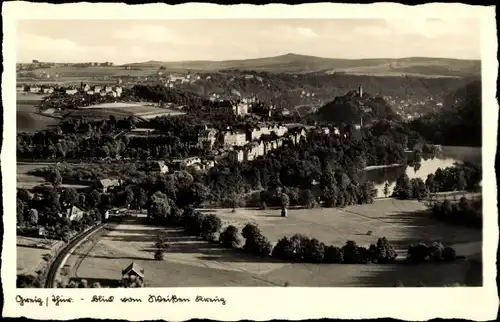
{"type": "Point", "coordinates": [229, 237]}
{"type": "Point", "coordinates": [314, 251]}
{"type": "Point", "coordinates": [436, 251]}
{"type": "Point", "coordinates": [210, 225]}
{"type": "Point", "coordinates": [449, 254]}
{"type": "Point", "coordinates": [417, 253]}
{"type": "Point", "coordinates": [383, 252]}
{"type": "Point", "coordinates": [193, 223]}
{"type": "Point", "coordinates": [250, 230]}
{"type": "Point", "coordinates": [258, 244]}
{"type": "Point", "coordinates": [283, 249]}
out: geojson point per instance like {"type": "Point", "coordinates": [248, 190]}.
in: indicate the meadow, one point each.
{"type": "Point", "coordinates": [192, 262]}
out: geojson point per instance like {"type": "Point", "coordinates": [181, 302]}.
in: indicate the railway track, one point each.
{"type": "Point", "coordinates": [62, 256]}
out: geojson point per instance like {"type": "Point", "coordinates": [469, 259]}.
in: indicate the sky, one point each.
{"type": "Point", "coordinates": [127, 41]}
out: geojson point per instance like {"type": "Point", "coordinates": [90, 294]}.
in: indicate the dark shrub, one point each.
{"type": "Point", "coordinates": [229, 237]}
{"type": "Point", "coordinates": [383, 252]}
{"type": "Point", "coordinates": [417, 253]}
{"type": "Point", "coordinates": [449, 254]}
{"type": "Point", "coordinates": [258, 245]}
{"type": "Point", "coordinates": [314, 251]}
{"type": "Point", "coordinates": [436, 251]}
{"type": "Point", "coordinates": [350, 251]}
{"type": "Point", "coordinates": [283, 249]}
{"type": "Point", "coordinates": [210, 225]}
{"type": "Point", "coordinates": [250, 230]}
{"type": "Point", "coordinates": [193, 223]}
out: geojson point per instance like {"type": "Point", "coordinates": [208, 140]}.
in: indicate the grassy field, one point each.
{"type": "Point", "coordinates": [192, 262]}
{"type": "Point", "coordinates": [28, 181]}
{"type": "Point", "coordinates": [103, 111]}
{"type": "Point", "coordinates": [29, 256]}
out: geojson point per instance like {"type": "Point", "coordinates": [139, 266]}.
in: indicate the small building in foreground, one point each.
{"type": "Point", "coordinates": [133, 276]}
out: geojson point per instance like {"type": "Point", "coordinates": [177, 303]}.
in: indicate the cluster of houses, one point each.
{"type": "Point", "coordinates": [107, 90]}
{"type": "Point", "coordinates": [252, 143]}
{"type": "Point", "coordinates": [113, 91]}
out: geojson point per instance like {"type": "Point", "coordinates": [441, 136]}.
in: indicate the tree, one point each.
{"type": "Point", "coordinates": [159, 211]}
{"type": "Point", "coordinates": [69, 196]}
{"type": "Point", "coordinates": [20, 213]}
{"type": "Point", "coordinates": [386, 189]}
{"type": "Point", "coordinates": [350, 252]}
{"type": "Point", "coordinates": [250, 230]}
{"type": "Point", "coordinates": [94, 199]}
{"type": "Point", "coordinates": [33, 216]}
{"type": "Point", "coordinates": [307, 198]}
{"type": "Point", "coordinates": [403, 189]}
{"type": "Point", "coordinates": [56, 178]}
{"type": "Point", "coordinates": [140, 198]}
{"type": "Point", "coordinates": [211, 224]}
{"type": "Point", "coordinates": [383, 252]}
{"type": "Point", "coordinates": [285, 202]}
{"type": "Point", "coordinates": [129, 196]}
{"type": "Point", "coordinates": [161, 245]}
{"type": "Point", "coordinates": [229, 237]}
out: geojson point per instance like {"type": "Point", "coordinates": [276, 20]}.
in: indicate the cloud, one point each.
{"type": "Point", "coordinates": [32, 42]}
{"type": "Point", "coordinates": [430, 28]}
{"type": "Point", "coordinates": [307, 32]}
{"type": "Point", "coordinates": [148, 33]}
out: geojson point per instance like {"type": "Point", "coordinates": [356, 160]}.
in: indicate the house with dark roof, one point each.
{"type": "Point", "coordinates": [133, 276]}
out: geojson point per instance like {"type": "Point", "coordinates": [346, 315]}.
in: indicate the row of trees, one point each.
{"type": "Point", "coordinates": [465, 212]}
{"type": "Point", "coordinates": [461, 177]}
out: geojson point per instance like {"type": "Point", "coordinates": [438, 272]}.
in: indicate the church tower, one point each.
{"type": "Point", "coordinates": [360, 91]}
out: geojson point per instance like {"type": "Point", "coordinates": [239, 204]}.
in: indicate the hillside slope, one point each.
{"type": "Point", "coordinates": [460, 121]}
{"type": "Point", "coordinates": [293, 63]}
{"type": "Point", "coordinates": [350, 107]}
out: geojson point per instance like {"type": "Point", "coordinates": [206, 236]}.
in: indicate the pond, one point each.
{"type": "Point", "coordinates": [428, 164]}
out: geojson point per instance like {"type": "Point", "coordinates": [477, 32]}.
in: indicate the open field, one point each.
{"type": "Point", "coordinates": [192, 262]}
{"type": "Point", "coordinates": [30, 253]}
{"type": "Point", "coordinates": [28, 181]}
{"type": "Point", "coordinates": [123, 109]}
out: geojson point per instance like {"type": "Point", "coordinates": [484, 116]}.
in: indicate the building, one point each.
{"type": "Point", "coordinates": [35, 89]}
{"type": "Point", "coordinates": [207, 137]}
{"type": "Point", "coordinates": [118, 91]}
{"type": "Point", "coordinates": [133, 276]}
{"type": "Point", "coordinates": [240, 108]}
{"type": "Point", "coordinates": [182, 163]}
{"type": "Point", "coordinates": [236, 155]}
{"type": "Point", "coordinates": [231, 138]}
{"type": "Point", "coordinates": [97, 88]}
{"type": "Point", "coordinates": [20, 88]}
{"type": "Point", "coordinates": [48, 90]}
{"type": "Point", "coordinates": [74, 213]}
{"type": "Point", "coordinates": [106, 185]}
{"type": "Point", "coordinates": [360, 91]}
{"type": "Point", "coordinates": [253, 150]}
{"type": "Point", "coordinates": [108, 89]}
{"type": "Point", "coordinates": [297, 134]}
{"type": "Point", "coordinates": [71, 91]}
{"type": "Point", "coordinates": [279, 130]}
{"type": "Point", "coordinates": [86, 88]}
{"type": "Point", "coordinates": [159, 166]}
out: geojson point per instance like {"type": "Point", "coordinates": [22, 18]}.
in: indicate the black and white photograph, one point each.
{"type": "Point", "coordinates": [265, 152]}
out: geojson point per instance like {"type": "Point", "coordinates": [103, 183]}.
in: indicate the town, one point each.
{"type": "Point", "coordinates": [289, 170]}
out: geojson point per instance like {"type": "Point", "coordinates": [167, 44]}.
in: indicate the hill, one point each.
{"type": "Point", "coordinates": [293, 63]}
{"type": "Point", "coordinates": [460, 120]}
{"type": "Point", "coordinates": [351, 107]}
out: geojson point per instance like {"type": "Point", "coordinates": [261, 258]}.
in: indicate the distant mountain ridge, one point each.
{"type": "Point", "coordinates": [294, 63]}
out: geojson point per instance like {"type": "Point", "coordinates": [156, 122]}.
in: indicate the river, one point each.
{"type": "Point", "coordinates": [427, 165]}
